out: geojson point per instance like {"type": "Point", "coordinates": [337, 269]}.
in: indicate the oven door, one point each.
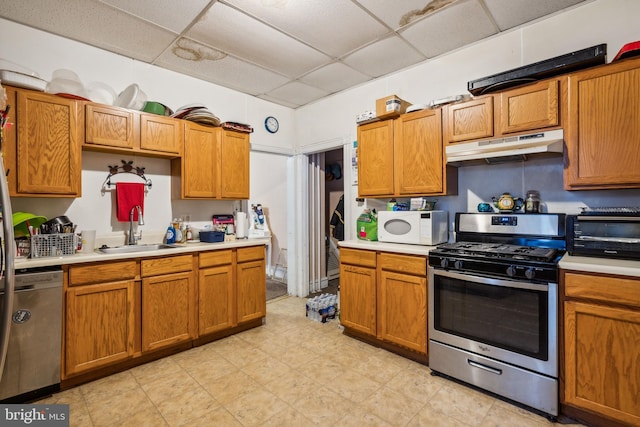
{"type": "Point", "coordinates": [506, 320]}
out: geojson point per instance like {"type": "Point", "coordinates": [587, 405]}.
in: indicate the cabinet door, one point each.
{"type": "Point", "coordinates": [602, 368]}
{"type": "Point", "coordinates": [234, 165]}
{"type": "Point", "coordinates": [99, 325]}
{"type": "Point", "coordinates": [419, 154]}
{"type": "Point", "coordinates": [200, 172]}
{"type": "Point", "coordinates": [375, 159]}
{"type": "Point", "coordinates": [167, 310]}
{"type": "Point", "coordinates": [402, 310]}
{"type": "Point", "coordinates": [161, 134]}
{"type": "Point", "coordinates": [48, 158]}
{"type": "Point", "coordinates": [251, 289]}
{"type": "Point", "coordinates": [110, 127]}
{"type": "Point", "coordinates": [216, 303]}
{"type": "Point", "coordinates": [603, 131]}
{"type": "Point", "coordinates": [531, 107]}
{"type": "Point", "coordinates": [358, 298]}
{"type": "Point", "coordinates": [469, 120]}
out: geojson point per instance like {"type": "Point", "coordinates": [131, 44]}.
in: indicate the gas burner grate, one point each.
{"type": "Point", "coordinates": [627, 211]}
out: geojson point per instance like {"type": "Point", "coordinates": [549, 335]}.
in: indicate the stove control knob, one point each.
{"type": "Point", "coordinates": [457, 265]}
{"type": "Point", "coordinates": [529, 273]}
{"type": "Point", "coordinates": [511, 271]}
{"type": "Point", "coordinates": [444, 263]}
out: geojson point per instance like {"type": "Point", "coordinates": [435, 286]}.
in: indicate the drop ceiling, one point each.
{"type": "Point", "coordinates": [291, 52]}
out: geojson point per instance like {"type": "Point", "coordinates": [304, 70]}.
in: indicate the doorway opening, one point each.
{"type": "Point", "coordinates": [326, 220]}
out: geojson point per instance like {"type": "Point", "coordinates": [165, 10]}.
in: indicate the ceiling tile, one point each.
{"type": "Point", "coordinates": [511, 13]}
{"type": "Point", "coordinates": [335, 27]}
{"type": "Point", "coordinates": [297, 93]}
{"type": "Point", "coordinates": [334, 77]}
{"type": "Point", "coordinates": [231, 31]}
{"type": "Point", "coordinates": [384, 57]}
{"type": "Point", "coordinates": [450, 28]}
{"type": "Point", "coordinates": [93, 23]}
{"type": "Point", "coordinates": [394, 13]}
{"type": "Point", "coordinates": [228, 71]}
{"type": "Point", "coordinates": [162, 12]}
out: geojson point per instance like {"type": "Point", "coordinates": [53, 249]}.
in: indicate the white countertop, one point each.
{"type": "Point", "coordinates": [387, 247]}
{"type": "Point", "coordinates": [99, 256]}
{"type": "Point", "coordinates": [600, 265]}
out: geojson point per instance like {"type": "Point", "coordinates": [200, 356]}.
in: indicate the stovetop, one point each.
{"type": "Point", "coordinates": [498, 251]}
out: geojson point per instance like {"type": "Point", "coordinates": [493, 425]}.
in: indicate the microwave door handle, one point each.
{"type": "Point", "coordinates": [610, 239]}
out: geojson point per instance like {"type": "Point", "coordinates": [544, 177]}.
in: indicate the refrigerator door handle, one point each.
{"type": "Point", "coordinates": [8, 272]}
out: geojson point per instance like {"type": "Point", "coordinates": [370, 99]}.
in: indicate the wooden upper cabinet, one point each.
{"type": "Point", "coordinates": [234, 165]}
{"type": "Point", "coordinates": [466, 121]}
{"type": "Point", "coordinates": [530, 107]}
{"type": "Point", "coordinates": [161, 134]}
{"type": "Point", "coordinates": [419, 153]}
{"type": "Point", "coordinates": [115, 129]}
{"type": "Point", "coordinates": [48, 160]}
{"type": "Point", "coordinates": [110, 127]}
{"type": "Point", "coordinates": [603, 131]}
{"type": "Point", "coordinates": [214, 164]}
{"type": "Point", "coordinates": [375, 159]}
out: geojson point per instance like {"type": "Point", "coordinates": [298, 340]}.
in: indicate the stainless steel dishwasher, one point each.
{"type": "Point", "coordinates": [32, 368]}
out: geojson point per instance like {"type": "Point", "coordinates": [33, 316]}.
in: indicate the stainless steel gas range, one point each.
{"type": "Point", "coordinates": [493, 305]}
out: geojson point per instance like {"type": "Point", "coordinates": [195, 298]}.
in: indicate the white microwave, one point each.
{"type": "Point", "coordinates": [413, 227]}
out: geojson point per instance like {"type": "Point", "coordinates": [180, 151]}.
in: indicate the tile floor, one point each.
{"type": "Point", "coordinates": [290, 372]}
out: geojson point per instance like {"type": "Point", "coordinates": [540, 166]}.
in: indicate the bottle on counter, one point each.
{"type": "Point", "coordinates": [171, 234]}
{"type": "Point", "coordinates": [532, 202]}
{"type": "Point", "coordinates": [189, 233]}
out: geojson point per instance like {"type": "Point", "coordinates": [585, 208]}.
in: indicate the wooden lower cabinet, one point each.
{"type": "Point", "coordinates": [120, 312]}
{"type": "Point", "coordinates": [216, 292]}
{"type": "Point", "coordinates": [384, 295]}
{"type": "Point", "coordinates": [251, 284]}
{"type": "Point", "coordinates": [100, 316]}
{"type": "Point", "coordinates": [602, 348]}
{"type": "Point", "coordinates": [402, 308]}
{"type": "Point", "coordinates": [100, 322]}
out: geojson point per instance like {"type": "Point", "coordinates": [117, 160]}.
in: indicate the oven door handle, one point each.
{"type": "Point", "coordinates": [484, 367]}
{"type": "Point", "coordinates": [491, 281]}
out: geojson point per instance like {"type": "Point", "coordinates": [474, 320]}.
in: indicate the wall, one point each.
{"type": "Point", "coordinates": [44, 53]}
{"type": "Point", "coordinates": [602, 21]}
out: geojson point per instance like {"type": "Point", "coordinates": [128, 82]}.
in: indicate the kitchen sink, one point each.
{"type": "Point", "coordinates": [134, 248]}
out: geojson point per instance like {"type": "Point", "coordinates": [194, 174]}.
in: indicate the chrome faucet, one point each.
{"type": "Point", "coordinates": [133, 239]}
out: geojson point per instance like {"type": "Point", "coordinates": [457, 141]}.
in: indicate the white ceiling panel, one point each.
{"type": "Point", "coordinates": [231, 31]}
{"type": "Point", "coordinates": [297, 93]}
{"type": "Point", "coordinates": [334, 77]}
{"type": "Point", "coordinates": [511, 13]}
{"type": "Point", "coordinates": [384, 57]}
{"type": "Point", "coordinates": [228, 71]}
{"type": "Point", "coordinates": [162, 12]}
{"type": "Point", "coordinates": [397, 14]}
{"type": "Point", "coordinates": [461, 23]}
{"type": "Point", "coordinates": [291, 52]}
{"type": "Point", "coordinates": [335, 27]}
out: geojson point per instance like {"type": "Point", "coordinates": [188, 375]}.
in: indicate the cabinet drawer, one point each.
{"type": "Point", "coordinates": [251, 254]}
{"type": "Point", "coordinates": [358, 257]}
{"type": "Point", "coordinates": [403, 263]}
{"type": "Point", "coordinates": [610, 289]}
{"type": "Point", "coordinates": [213, 258]}
{"type": "Point", "coordinates": [174, 264]}
{"type": "Point", "coordinates": [102, 272]}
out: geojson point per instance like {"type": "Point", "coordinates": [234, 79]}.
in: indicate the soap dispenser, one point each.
{"type": "Point", "coordinates": [171, 234]}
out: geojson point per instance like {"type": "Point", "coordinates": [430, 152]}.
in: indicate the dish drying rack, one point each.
{"type": "Point", "coordinates": [125, 167]}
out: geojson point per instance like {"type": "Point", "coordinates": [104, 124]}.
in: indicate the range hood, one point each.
{"type": "Point", "coordinates": [506, 149]}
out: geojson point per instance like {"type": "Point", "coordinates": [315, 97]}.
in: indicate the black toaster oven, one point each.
{"type": "Point", "coordinates": [612, 233]}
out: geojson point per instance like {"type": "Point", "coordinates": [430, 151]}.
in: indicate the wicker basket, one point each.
{"type": "Point", "coordinates": [53, 245]}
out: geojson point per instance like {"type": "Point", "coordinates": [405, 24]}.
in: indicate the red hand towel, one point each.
{"type": "Point", "coordinates": [128, 195]}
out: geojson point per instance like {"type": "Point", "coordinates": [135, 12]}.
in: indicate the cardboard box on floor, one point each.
{"type": "Point", "coordinates": [390, 107]}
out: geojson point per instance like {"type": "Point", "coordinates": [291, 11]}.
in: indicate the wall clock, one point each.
{"type": "Point", "coordinates": [271, 124]}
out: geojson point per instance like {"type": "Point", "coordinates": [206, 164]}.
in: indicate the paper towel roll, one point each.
{"type": "Point", "coordinates": [241, 225]}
